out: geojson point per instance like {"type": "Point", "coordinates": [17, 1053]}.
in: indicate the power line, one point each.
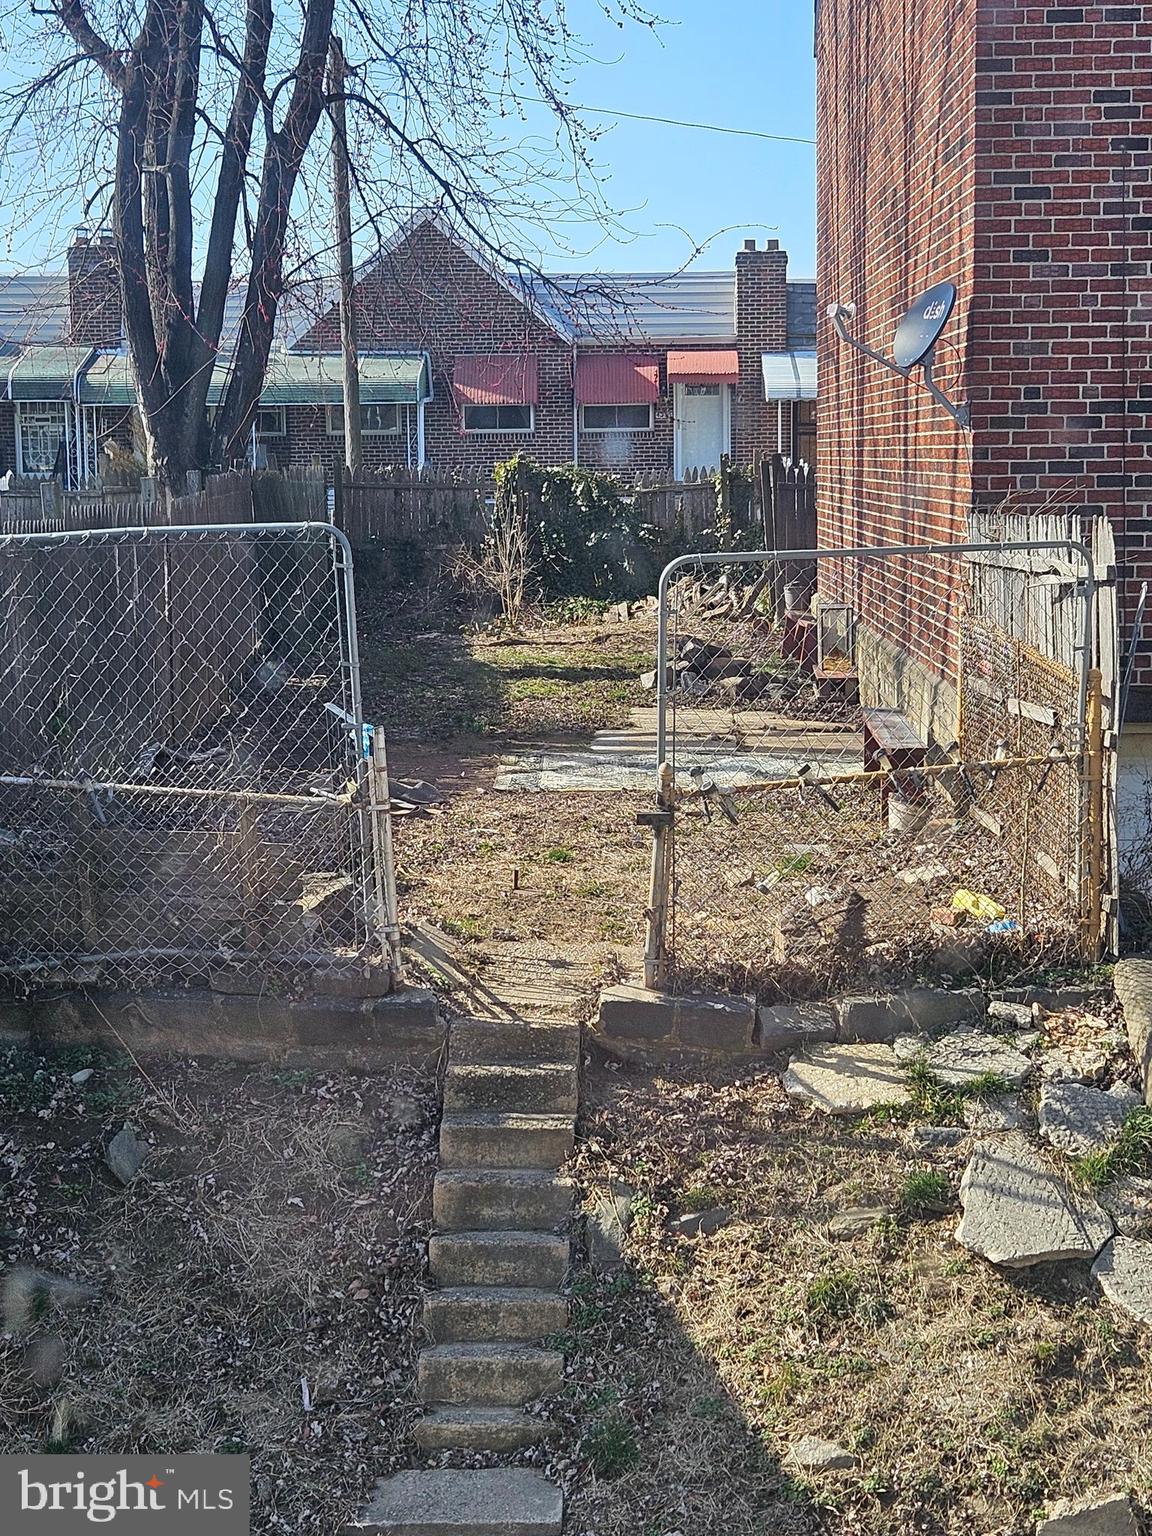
{"type": "Point", "coordinates": [675, 122]}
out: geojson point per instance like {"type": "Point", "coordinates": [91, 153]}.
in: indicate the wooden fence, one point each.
{"type": "Point", "coordinates": [382, 507]}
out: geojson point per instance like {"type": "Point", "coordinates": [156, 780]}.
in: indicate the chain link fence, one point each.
{"type": "Point", "coordinates": [185, 779]}
{"type": "Point", "coordinates": [879, 765]}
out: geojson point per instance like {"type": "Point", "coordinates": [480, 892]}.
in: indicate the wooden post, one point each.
{"type": "Point", "coordinates": [656, 915]}
{"type": "Point", "coordinates": [1094, 806]}
{"type": "Point", "coordinates": [384, 866]}
{"type": "Point", "coordinates": [353, 450]}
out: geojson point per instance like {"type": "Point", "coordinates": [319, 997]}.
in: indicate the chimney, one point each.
{"type": "Point", "coordinates": [95, 297]}
{"type": "Point", "coordinates": [761, 326]}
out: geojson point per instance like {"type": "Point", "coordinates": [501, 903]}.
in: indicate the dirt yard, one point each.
{"type": "Point", "coordinates": [253, 1289]}
{"type": "Point", "coordinates": [968, 1397]}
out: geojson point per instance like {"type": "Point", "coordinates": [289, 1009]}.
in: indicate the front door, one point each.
{"type": "Point", "coordinates": [701, 426]}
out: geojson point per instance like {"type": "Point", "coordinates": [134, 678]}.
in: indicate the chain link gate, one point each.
{"type": "Point", "coordinates": [877, 765]}
{"type": "Point", "coordinates": [186, 781]}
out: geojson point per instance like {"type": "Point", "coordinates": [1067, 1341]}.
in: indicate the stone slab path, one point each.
{"type": "Point", "coordinates": [498, 1258]}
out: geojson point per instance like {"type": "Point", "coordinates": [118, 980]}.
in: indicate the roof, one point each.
{"type": "Point", "coordinates": [789, 375]}
{"type": "Point", "coordinates": [296, 378]}
{"type": "Point", "coordinates": [44, 372]}
{"type": "Point", "coordinates": [649, 306]}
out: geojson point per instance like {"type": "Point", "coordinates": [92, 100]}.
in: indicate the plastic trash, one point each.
{"type": "Point", "coordinates": [1004, 925]}
{"type": "Point", "coordinates": [981, 907]}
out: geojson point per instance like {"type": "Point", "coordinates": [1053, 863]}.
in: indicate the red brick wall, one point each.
{"type": "Point", "coordinates": [95, 301]}
{"type": "Point", "coordinates": [895, 178]}
{"type": "Point", "coordinates": [761, 326]}
{"type": "Point", "coordinates": [1061, 342]}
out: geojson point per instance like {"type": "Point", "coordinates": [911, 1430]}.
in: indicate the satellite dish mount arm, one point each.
{"type": "Point", "coordinates": [840, 314]}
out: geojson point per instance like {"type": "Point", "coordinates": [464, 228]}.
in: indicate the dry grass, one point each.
{"type": "Point", "coordinates": [970, 1396]}
{"type": "Point", "coordinates": [276, 1234]}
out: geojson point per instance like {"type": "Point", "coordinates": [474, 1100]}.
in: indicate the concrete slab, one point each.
{"type": "Point", "coordinates": [958, 1058]}
{"type": "Point", "coordinates": [1001, 1113]}
{"type": "Point", "coordinates": [1018, 1211]}
{"type": "Point", "coordinates": [1124, 1270]}
{"type": "Point", "coordinates": [1077, 1119]}
{"type": "Point", "coordinates": [1109, 1515]}
{"type": "Point", "coordinates": [498, 1501]}
{"type": "Point", "coordinates": [847, 1079]}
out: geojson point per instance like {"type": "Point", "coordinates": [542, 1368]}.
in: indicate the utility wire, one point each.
{"type": "Point", "coordinates": [674, 122]}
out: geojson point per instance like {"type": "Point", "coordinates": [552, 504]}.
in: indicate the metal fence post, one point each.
{"type": "Point", "coordinates": [383, 863]}
{"type": "Point", "coordinates": [1094, 831]}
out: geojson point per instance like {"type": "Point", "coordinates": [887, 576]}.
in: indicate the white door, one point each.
{"type": "Point", "coordinates": [701, 426]}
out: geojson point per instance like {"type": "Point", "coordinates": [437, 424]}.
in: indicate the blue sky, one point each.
{"type": "Point", "coordinates": [739, 63]}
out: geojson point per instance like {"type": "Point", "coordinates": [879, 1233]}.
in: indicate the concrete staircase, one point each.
{"type": "Point", "coordinates": [498, 1257]}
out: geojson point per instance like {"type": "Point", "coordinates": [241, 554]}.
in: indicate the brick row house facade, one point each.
{"type": "Point", "coordinates": [462, 365]}
{"type": "Point", "coordinates": [1005, 146]}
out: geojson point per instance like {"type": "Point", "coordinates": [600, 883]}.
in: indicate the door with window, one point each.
{"type": "Point", "coordinates": [703, 426]}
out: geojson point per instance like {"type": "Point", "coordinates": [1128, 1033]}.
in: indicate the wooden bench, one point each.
{"type": "Point", "coordinates": [890, 741]}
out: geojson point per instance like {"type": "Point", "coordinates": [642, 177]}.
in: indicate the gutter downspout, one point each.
{"type": "Point", "coordinates": [575, 413]}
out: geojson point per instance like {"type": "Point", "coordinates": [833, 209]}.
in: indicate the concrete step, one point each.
{"type": "Point", "coordinates": [480, 1139]}
{"type": "Point", "coordinates": [485, 1041]}
{"type": "Point", "coordinates": [498, 1430]}
{"type": "Point", "coordinates": [500, 1199]}
{"type": "Point", "coordinates": [499, 1258]}
{"type": "Point", "coordinates": [488, 1375]}
{"type": "Point", "coordinates": [481, 1314]}
{"type": "Point", "coordinates": [549, 1089]}
{"type": "Point", "coordinates": [497, 1501]}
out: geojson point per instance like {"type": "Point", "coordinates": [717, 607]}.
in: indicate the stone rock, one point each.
{"type": "Point", "coordinates": [908, 1047]}
{"type": "Point", "coordinates": [1081, 1063]}
{"type": "Point", "coordinates": [811, 1454]}
{"type": "Point", "coordinates": [44, 1361]}
{"type": "Point", "coordinates": [1002, 1113]}
{"type": "Point", "coordinates": [1029, 1040]}
{"type": "Point", "coordinates": [1110, 1515]}
{"type": "Point", "coordinates": [1018, 1212]}
{"type": "Point", "coordinates": [81, 1077]}
{"type": "Point", "coordinates": [1124, 1270]}
{"type": "Point", "coordinates": [1132, 979]}
{"type": "Point", "coordinates": [404, 1111]}
{"type": "Point", "coordinates": [1128, 1201]}
{"type": "Point", "coordinates": [700, 1223]}
{"type": "Point", "coordinates": [923, 874]}
{"type": "Point", "coordinates": [958, 1058]}
{"type": "Point", "coordinates": [26, 1295]}
{"type": "Point", "coordinates": [856, 1221]}
{"type": "Point", "coordinates": [125, 1154]}
{"type": "Point", "coordinates": [790, 1027]}
{"type": "Point", "coordinates": [1077, 1119]}
{"type": "Point", "coordinates": [1017, 1014]}
{"type": "Point", "coordinates": [607, 1226]}
{"type": "Point", "coordinates": [847, 1079]}
{"type": "Point", "coordinates": [937, 1138]}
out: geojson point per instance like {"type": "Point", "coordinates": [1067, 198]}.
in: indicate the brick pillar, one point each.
{"type": "Point", "coordinates": [761, 326]}
{"type": "Point", "coordinates": [95, 298]}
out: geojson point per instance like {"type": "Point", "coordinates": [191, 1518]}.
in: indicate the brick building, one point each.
{"type": "Point", "coordinates": [1006, 146]}
{"type": "Point", "coordinates": [461, 364]}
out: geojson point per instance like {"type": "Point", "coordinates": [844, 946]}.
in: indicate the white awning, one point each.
{"type": "Point", "coordinates": [789, 375]}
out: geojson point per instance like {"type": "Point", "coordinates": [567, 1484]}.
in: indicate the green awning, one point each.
{"type": "Point", "coordinates": [108, 380]}
{"type": "Point", "coordinates": [297, 379]}
{"type": "Point", "coordinates": [45, 373]}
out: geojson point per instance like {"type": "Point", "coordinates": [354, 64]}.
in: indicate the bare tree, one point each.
{"type": "Point", "coordinates": [195, 122]}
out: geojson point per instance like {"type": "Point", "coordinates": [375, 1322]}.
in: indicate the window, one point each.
{"type": "Point", "coordinates": [616, 418]}
{"type": "Point", "coordinates": [270, 421]}
{"type": "Point", "coordinates": [43, 428]}
{"type": "Point", "coordinates": [375, 420]}
{"type": "Point", "coordinates": [804, 431]}
{"type": "Point", "coordinates": [498, 418]}
{"type": "Point", "coordinates": [694, 391]}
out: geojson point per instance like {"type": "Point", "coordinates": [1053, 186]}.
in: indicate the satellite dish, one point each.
{"type": "Point", "coordinates": [917, 333]}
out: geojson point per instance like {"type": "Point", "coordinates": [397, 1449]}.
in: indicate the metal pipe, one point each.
{"type": "Point", "coordinates": [180, 792]}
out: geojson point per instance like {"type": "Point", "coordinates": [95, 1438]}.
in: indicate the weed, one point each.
{"type": "Point", "coordinates": [701, 1197]}
{"type": "Point", "coordinates": [1130, 1153]}
{"type": "Point", "coordinates": [592, 889]}
{"type": "Point", "coordinates": [708, 1408]}
{"type": "Point", "coordinates": [610, 1447]}
{"type": "Point", "coordinates": [796, 864]}
{"type": "Point", "coordinates": [834, 1295]}
{"type": "Point", "coordinates": [560, 856]}
{"type": "Point", "coordinates": [925, 1190]}
{"type": "Point", "coordinates": [115, 1096]}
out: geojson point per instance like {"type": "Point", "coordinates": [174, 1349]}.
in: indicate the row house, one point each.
{"type": "Point", "coordinates": [462, 364]}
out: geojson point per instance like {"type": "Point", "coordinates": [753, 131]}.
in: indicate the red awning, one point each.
{"type": "Point", "coordinates": [616, 378]}
{"type": "Point", "coordinates": [496, 378]}
{"type": "Point", "coordinates": [704, 367]}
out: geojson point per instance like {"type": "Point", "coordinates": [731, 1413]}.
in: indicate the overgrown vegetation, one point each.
{"type": "Point", "coordinates": [1129, 1154]}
